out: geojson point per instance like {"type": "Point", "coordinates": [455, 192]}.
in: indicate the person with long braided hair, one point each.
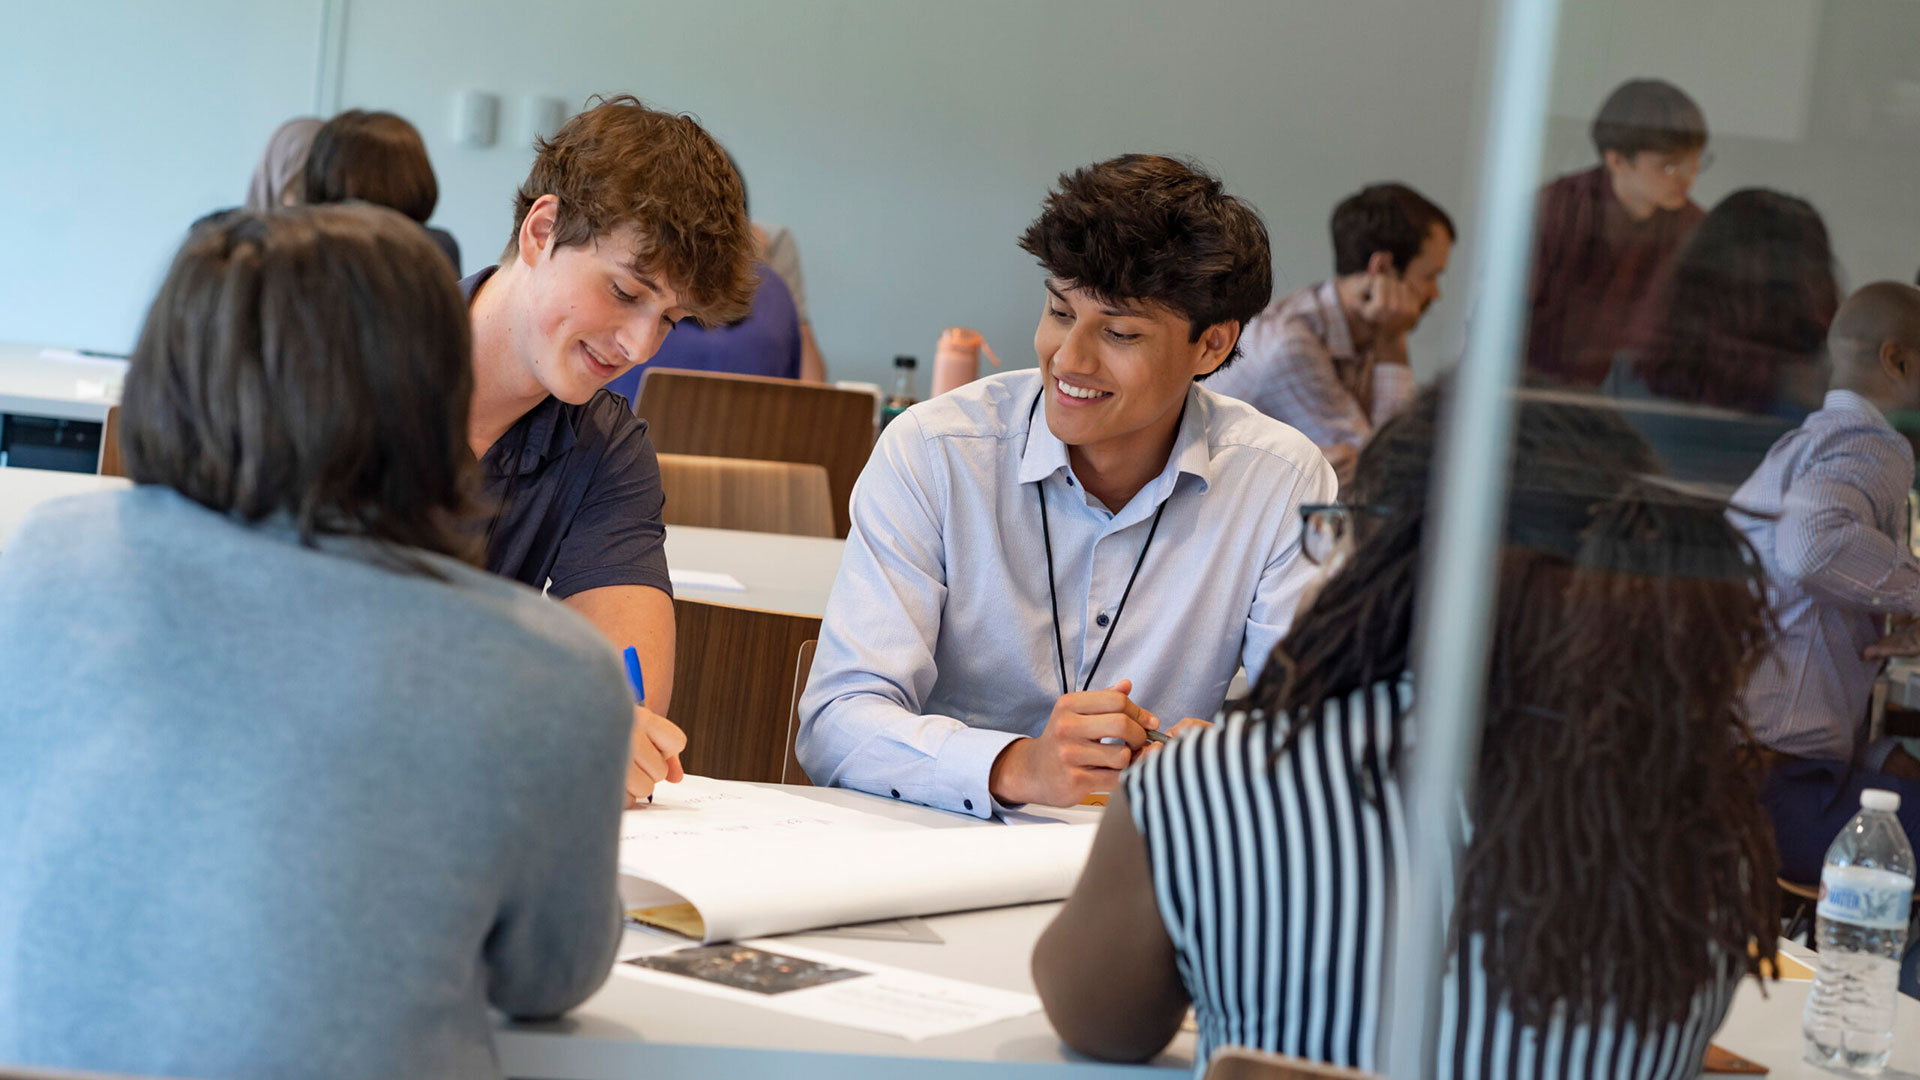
{"type": "Point", "coordinates": [1617, 881]}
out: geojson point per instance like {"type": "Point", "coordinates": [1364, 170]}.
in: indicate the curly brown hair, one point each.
{"type": "Point", "coordinates": [1620, 858]}
{"type": "Point", "coordinates": [1144, 227]}
{"type": "Point", "coordinates": [620, 163]}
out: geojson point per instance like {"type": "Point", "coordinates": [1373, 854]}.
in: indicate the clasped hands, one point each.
{"type": "Point", "coordinates": [1069, 760]}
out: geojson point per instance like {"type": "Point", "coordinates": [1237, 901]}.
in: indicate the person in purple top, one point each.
{"type": "Point", "coordinates": [766, 342]}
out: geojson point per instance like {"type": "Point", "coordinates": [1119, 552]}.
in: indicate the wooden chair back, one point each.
{"type": "Point", "coordinates": [110, 461]}
{"type": "Point", "coordinates": [757, 496]}
{"type": "Point", "coordinates": [733, 687]}
{"type": "Point", "coordinates": [1240, 1063]}
{"type": "Point", "coordinates": [746, 416]}
{"type": "Point", "coordinates": [794, 773]}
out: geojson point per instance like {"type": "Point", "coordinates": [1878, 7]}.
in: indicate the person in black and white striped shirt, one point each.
{"type": "Point", "coordinates": [1617, 880]}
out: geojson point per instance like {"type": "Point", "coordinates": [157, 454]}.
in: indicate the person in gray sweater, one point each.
{"type": "Point", "coordinates": [288, 788]}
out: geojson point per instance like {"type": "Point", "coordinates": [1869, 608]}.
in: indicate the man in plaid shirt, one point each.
{"type": "Point", "coordinates": [1331, 359]}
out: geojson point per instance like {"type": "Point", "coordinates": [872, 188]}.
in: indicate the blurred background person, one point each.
{"type": "Point", "coordinates": [1731, 349]}
{"type": "Point", "coordinates": [1827, 513]}
{"type": "Point", "coordinates": [376, 157]}
{"type": "Point", "coordinates": [767, 342]}
{"type": "Point", "coordinates": [782, 253]}
{"type": "Point", "coordinates": [280, 178]}
{"type": "Point", "coordinates": [1331, 359]}
{"type": "Point", "coordinates": [1603, 234]}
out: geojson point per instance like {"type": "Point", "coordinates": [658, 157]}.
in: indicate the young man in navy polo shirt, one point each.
{"type": "Point", "coordinates": [630, 220]}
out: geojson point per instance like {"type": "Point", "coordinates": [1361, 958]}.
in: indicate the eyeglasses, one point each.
{"type": "Point", "coordinates": [1327, 529]}
{"type": "Point", "coordinates": [1692, 168]}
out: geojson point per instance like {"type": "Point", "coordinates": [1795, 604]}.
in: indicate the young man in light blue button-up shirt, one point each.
{"type": "Point", "coordinates": [1044, 563]}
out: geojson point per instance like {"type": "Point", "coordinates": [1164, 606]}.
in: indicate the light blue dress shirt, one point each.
{"type": "Point", "coordinates": [937, 648]}
{"type": "Point", "coordinates": [1829, 514]}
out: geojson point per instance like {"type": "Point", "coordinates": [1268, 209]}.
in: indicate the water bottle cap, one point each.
{"type": "Point", "coordinates": [1876, 799]}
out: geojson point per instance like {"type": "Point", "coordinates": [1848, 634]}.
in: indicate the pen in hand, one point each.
{"type": "Point", "coordinates": [636, 681]}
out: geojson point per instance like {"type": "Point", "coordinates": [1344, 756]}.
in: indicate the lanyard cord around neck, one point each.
{"type": "Point", "coordinates": [1053, 598]}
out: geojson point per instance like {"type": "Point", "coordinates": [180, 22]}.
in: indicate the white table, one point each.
{"type": "Point", "coordinates": [39, 381]}
{"type": "Point", "coordinates": [632, 1028]}
{"type": "Point", "coordinates": [1767, 1029]}
{"type": "Point", "coordinates": [791, 574]}
{"type": "Point", "coordinates": [23, 489]}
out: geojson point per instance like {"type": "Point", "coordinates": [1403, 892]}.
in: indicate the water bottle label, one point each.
{"type": "Point", "coordinates": [1865, 896]}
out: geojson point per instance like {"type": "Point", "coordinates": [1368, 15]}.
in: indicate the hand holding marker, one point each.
{"type": "Point", "coordinates": [637, 681]}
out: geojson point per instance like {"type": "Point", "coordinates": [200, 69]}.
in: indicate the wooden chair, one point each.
{"type": "Point", "coordinates": [110, 462]}
{"type": "Point", "coordinates": [1240, 1063]}
{"type": "Point", "coordinates": [757, 496]}
{"type": "Point", "coordinates": [733, 687]}
{"type": "Point", "coordinates": [745, 416]}
{"type": "Point", "coordinates": [793, 772]}
{"type": "Point", "coordinates": [1797, 904]}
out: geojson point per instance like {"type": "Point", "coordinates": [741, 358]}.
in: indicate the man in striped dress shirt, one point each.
{"type": "Point", "coordinates": [1331, 359]}
{"type": "Point", "coordinates": [1827, 512]}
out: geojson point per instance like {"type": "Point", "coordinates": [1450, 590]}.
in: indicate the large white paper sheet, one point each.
{"type": "Point", "coordinates": [757, 861]}
{"type": "Point", "coordinates": [834, 989]}
{"type": "Point", "coordinates": [701, 808]}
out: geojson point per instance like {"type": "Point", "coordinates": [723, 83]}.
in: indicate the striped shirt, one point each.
{"type": "Point", "coordinates": [1828, 518]}
{"type": "Point", "coordinates": [1298, 365]}
{"type": "Point", "coordinates": [1274, 877]}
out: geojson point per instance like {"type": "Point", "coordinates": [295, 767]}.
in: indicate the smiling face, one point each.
{"type": "Point", "coordinates": [1117, 374]}
{"type": "Point", "coordinates": [593, 312]}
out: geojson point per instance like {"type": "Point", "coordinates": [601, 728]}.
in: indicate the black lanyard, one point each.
{"type": "Point", "coordinates": [1053, 599]}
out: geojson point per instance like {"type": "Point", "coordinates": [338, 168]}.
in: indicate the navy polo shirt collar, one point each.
{"type": "Point", "coordinates": [542, 433]}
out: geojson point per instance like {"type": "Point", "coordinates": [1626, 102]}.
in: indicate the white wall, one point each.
{"type": "Point", "coordinates": [908, 142]}
{"type": "Point", "coordinates": [121, 122]}
{"type": "Point", "coordinates": [1817, 98]}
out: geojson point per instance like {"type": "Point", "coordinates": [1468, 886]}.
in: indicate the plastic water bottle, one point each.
{"type": "Point", "coordinates": [902, 397]}
{"type": "Point", "coordinates": [1866, 892]}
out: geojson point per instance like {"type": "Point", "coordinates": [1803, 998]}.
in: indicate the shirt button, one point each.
{"type": "Point", "coordinates": [968, 803]}
{"type": "Point", "coordinates": [1069, 481]}
{"type": "Point", "coordinates": [895, 792]}
{"type": "Point", "coordinates": [1102, 620]}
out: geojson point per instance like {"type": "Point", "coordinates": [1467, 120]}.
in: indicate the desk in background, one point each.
{"type": "Point", "coordinates": [23, 489]}
{"type": "Point", "coordinates": [53, 406]}
{"type": "Point", "coordinates": [632, 1028]}
{"type": "Point", "coordinates": [788, 574]}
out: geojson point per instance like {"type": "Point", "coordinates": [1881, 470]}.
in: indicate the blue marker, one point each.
{"type": "Point", "coordinates": [636, 680]}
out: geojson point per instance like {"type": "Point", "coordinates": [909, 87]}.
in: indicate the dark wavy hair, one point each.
{"type": "Point", "coordinates": [1144, 227]}
{"type": "Point", "coordinates": [311, 362]}
{"type": "Point", "coordinates": [1619, 854]}
{"type": "Point", "coordinates": [1745, 303]}
{"type": "Point", "coordinates": [1392, 218]}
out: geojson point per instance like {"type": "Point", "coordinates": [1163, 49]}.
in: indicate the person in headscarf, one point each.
{"type": "Point", "coordinates": [277, 179]}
